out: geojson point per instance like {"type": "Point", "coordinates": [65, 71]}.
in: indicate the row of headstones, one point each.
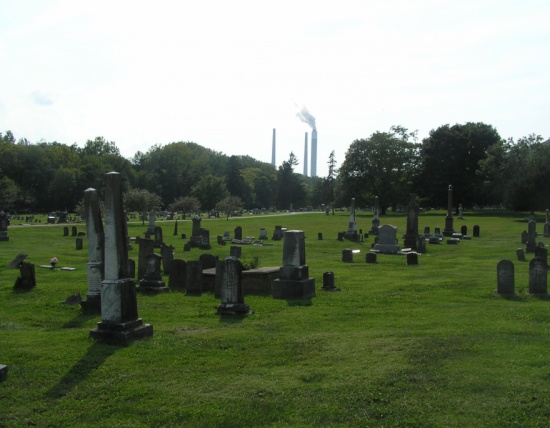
{"type": "Point", "coordinates": [371, 257]}
{"type": "Point", "coordinates": [539, 250]}
{"type": "Point", "coordinates": [538, 269]}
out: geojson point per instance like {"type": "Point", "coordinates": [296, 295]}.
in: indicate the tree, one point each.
{"type": "Point", "coordinates": [99, 147]}
{"type": "Point", "coordinates": [229, 205]}
{"type": "Point", "coordinates": [185, 204]}
{"type": "Point", "coordinates": [382, 165]}
{"type": "Point", "coordinates": [8, 194]}
{"type": "Point", "coordinates": [290, 186]}
{"type": "Point", "coordinates": [209, 191]}
{"type": "Point", "coordinates": [235, 182]}
{"type": "Point", "coordinates": [452, 155]}
{"type": "Point", "coordinates": [141, 200]}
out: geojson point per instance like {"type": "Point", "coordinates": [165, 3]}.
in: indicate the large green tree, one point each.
{"type": "Point", "coordinates": [141, 200]}
{"type": "Point", "coordinates": [290, 185]}
{"type": "Point", "coordinates": [382, 165]}
{"type": "Point", "coordinates": [451, 155]}
{"type": "Point", "coordinates": [209, 191]}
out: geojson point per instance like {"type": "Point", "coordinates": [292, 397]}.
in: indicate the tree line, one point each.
{"type": "Point", "coordinates": [483, 168]}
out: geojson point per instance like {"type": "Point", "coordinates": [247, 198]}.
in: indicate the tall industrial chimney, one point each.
{"type": "Point", "coordinates": [305, 157]}
{"type": "Point", "coordinates": [273, 148]}
{"type": "Point", "coordinates": [314, 153]}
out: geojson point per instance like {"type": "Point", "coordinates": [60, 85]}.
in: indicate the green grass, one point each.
{"type": "Point", "coordinates": [426, 345]}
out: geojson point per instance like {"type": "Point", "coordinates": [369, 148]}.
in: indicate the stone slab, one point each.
{"type": "Point", "coordinates": [285, 289]}
{"type": "Point", "coordinates": [3, 372]}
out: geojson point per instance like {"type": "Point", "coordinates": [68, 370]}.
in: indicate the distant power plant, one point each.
{"type": "Point", "coordinates": [273, 148]}
{"type": "Point", "coordinates": [305, 157]}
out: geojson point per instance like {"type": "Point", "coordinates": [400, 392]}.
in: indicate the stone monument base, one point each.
{"type": "Point", "coordinates": [386, 248]}
{"type": "Point", "coordinates": [152, 286]}
{"type": "Point", "coordinates": [92, 303]}
{"type": "Point", "coordinates": [121, 332]}
{"type": "Point", "coordinates": [233, 309]}
{"type": "Point", "coordinates": [292, 289]}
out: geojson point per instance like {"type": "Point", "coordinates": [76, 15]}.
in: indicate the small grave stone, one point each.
{"type": "Point", "coordinates": [524, 237]}
{"type": "Point", "coordinates": [220, 240]}
{"type": "Point", "coordinates": [232, 296]}
{"type": "Point", "coordinates": [177, 276]}
{"type": "Point", "coordinates": [277, 233]}
{"type": "Point", "coordinates": [74, 231]}
{"type": "Point", "coordinates": [208, 261]}
{"type": "Point", "coordinates": [370, 257]}
{"type": "Point", "coordinates": [421, 244]}
{"type": "Point", "coordinates": [235, 251]}
{"type": "Point", "coordinates": [464, 229]}
{"type": "Point", "coordinates": [263, 235]}
{"type": "Point", "coordinates": [453, 241]}
{"type": "Point", "coordinates": [505, 277]}
{"type": "Point", "coordinates": [167, 252]}
{"type": "Point", "coordinates": [412, 258]}
{"type": "Point", "coordinates": [146, 247]}
{"type": "Point", "coordinates": [537, 276]}
{"type": "Point", "coordinates": [4, 223]}
{"type": "Point", "coordinates": [27, 277]}
{"type": "Point", "coordinates": [152, 280]}
{"type": "Point", "coordinates": [328, 282]}
{"type": "Point", "coordinates": [176, 228]}
{"type": "Point", "coordinates": [183, 236]}
{"type": "Point", "coordinates": [541, 252]}
{"type": "Point", "coordinates": [193, 278]}
{"type": "Point", "coordinates": [434, 240]}
{"type": "Point", "coordinates": [320, 236]}
{"type": "Point", "coordinates": [520, 254]}
{"type": "Point", "coordinates": [205, 240]}
{"type": "Point", "coordinates": [340, 236]}
{"type": "Point", "coordinates": [531, 237]}
{"type": "Point", "coordinates": [226, 236]}
{"type": "Point", "coordinates": [437, 231]}
{"type": "Point", "coordinates": [65, 230]}
{"type": "Point", "coordinates": [476, 231]}
{"type": "Point", "coordinates": [79, 243]}
{"type": "Point", "coordinates": [238, 233]}
{"type": "Point", "coordinates": [347, 255]}
{"type": "Point", "coordinates": [158, 236]}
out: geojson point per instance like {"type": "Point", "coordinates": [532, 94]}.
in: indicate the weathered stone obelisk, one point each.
{"type": "Point", "coordinates": [448, 231]}
{"type": "Point", "coordinates": [96, 249]}
{"type": "Point", "coordinates": [351, 233]}
{"type": "Point", "coordinates": [375, 218]}
{"type": "Point", "coordinates": [120, 322]}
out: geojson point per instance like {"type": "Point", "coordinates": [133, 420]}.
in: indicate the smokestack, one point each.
{"type": "Point", "coordinates": [305, 157]}
{"type": "Point", "coordinates": [273, 148]}
{"type": "Point", "coordinates": [314, 153]}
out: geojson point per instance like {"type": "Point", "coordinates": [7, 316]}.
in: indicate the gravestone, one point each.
{"type": "Point", "coordinates": [531, 237]}
{"type": "Point", "coordinates": [347, 255]}
{"type": "Point", "coordinates": [351, 232]}
{"type": "Point", "coordinates": [448, 231]}
{"type": "Point", "coordinates": [176, 278]}
{"type": "Point", "coordinates": [193, 278]}
{"type": "Point", "coordinates": [427, 232]}
{"type": "Point", "coordinates": [3, 372]}
{"type": "Point", "coordinates": [167, 252]}
{"type": "Point", "coordinates": [158, 236]}
{"type": "Point", "coordinates": [541, 252]}
{"type": "Point", "coordinates": [412, 223]}
{"type": "Point", "coordinates": [524, 237]}
{"type": "Point", "coordinates": [370, 257]}
{"type": "Point", "coordinates": [505, 277]}
{"type": "Point", "coordinates": [520, 255]}
{"type": "Point", "coordinates": [4, 226]}
{"type": "Point", "coordinates": [277, 233]}
{"type": "Point", "coordinates": [146, 247]}
{"type": "Point", "coordinates": [340, 236]}
{"type": "Point", "coordinates": [79, 244]}
{"type": "Point", "coordinates": [208, 261]}
{"type": "Point", "coordinates": [547, 230]}
{"type": "Point", "coordinates": [119, 314]}
{"type": "Point", "coordinates": [226, 236]}
{"type": "Point", "coordinates": [176, 228]}
{"type": "Point", "coordinates": [460, 213]}
{"type": "Point", "coordinates": [238, 233]}
{"type": "Point", "coordinates": [328, 282]}
{"type": "Point", "coordinates": [375, 219]}
{"type": "Point", "coordinates": [235, 251]}
{"type": "Point", "coordinates": [437, 231]}
{"type": "Point", "coordinates": [421, 244]}
{"type": "Point", "coordinates": [476, 231]}
{"type": "Point", "coordinates": [152, 280]}
{"type": "Point", "coordinates": [294, 281]}
{"type": "Point", "coordinates": [27, 277]}
{"type": "Point", "coordinates": [205, 240]}
{"type": "Point", "coordinates": [196, 236]}
{"type": "Point", "coordinates": [263, 235]}
{"type": "Point", "coordinates": [537, 276]}
{"type": "Point", "coordinates": [132, 268]}
{"type": "Point", "coordinates": [65, 230]}
{"type": "Point", "coordinates": [463, 229]}
{"type": "Point", "coordinates": [74, 231]}
{"type": "Point", "coordinates": [320, 236]}
{"type": "Point", "coordinates": [218, 278]}
{"type": "Point", "coordinates": [96, 249]}
{"type": "Point", "coordinates": [412, 258]}
{"type": "Point", "coordinates": [387, 241]}
{"type": "Point", "coordinates": [231, 291]}
{"type": "Point", "coordinates": [151, 226]}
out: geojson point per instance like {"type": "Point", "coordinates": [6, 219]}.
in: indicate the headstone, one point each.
{"type": "Point", "coordinates": [448, 231]}
{"type": "Point", "coordinates": [152, 280]}
{"type": "Point", "coordinates": [218, 279]}
{"type": "Point", "coordinates": [387, 242]}
{"type": "Point", "coordinates": [537, 276]}
{"type": "Point", "coordinates": [3, 372]}
{"type": "Point", "coordinates": [541, 252]}
{"type": "Point", "coordinates": [167, 252]}
{"type": "Point", "coordinates": [65, 230]}
{"type": "Point", "coordinates": [238, 233]}
{"type": "Point", "coordinates": [370, 257]}
{"type": "Point", "coordinates": [531, 237]}
{"type": "Point", "coordinates": [347, 255]}
{"type": "Point", "coordinates": [96, 249]}
{"type": "Point", "coordinates": [158, 236]}
{"type": "Point", "coordinates": [328, 282]}
{"type": "Point", "coordinates": [27, 277]}
{"type": "Point", "coordinates": [375, 218]}
{"type": "Point", "coordinates": [132, 268]}
{"type": "Point", "coordinates": [320, 236]}
{"type": "Point", "coordinates": [547, 230]}
{"type": "Point", "coordinates": [151, 227]}
{"type": "Point", "coordinates": [340, 236]}
{"type": "Point", "coordinates": [524, 237]}
{"type": "Point", "coordinates": [208, 261]}
{"type": "Point", "coordinates": [232, 296]}
{"type": "Point", "coordinates": [412, 223]}
{"type": "Point", "coordinates": [176, 228]}
{"type": "Point", "coordinates": [412, 258]}
{"type": "Point", "coordinates": [421, 244]}
{"type": "Point", "coordinates": [176, 279]}
{"type": "Point", "coordinates": [263, 235]}
{"type": "Point", "coordinates": [453, 241]}
{"type": "Point", "coordinates": [463, 229]}
{"type": "Point", "coordinates": [235, 251]}
{"type": "Point", "coordinates": [226, 236]}
{"type": "Point", "coordinates": [196, 236]}
{"type": "Point", "coordinates": [205, 240]}
{"type": "Point", "coordinates": [351, 232]}
{"type": "Point", "coordinates": [146, 247]}
{"type": "Point", "coordinates": [79, 244]}
{"type": "Point", "coordinates": [294, 281]}
{"type": "Point", "coordinates": [427, 231]}
{"type": "Point", "coordinates": [277, 233]}
{"type": "Point", "coordinates": [460, 213]}
{"type": "Point", "coordinates": [4, 222]}
{"type": "Point", "coordinates": [74, 231]}
{"type": "Point", "coordinates": [437, 231]}
{"type": "Point", "coordinates": [193, 278]}
{"type": "Point", "coordinates": [120, 322]}
{"type": "Point", "coordinates": [505, 277]}
{"type": "Point", "coordinates": [476, 231]}
{"type": "Point", "coordinates": [520, 255]}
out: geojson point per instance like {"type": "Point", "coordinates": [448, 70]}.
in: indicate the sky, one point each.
{"type": "Point", "coordinates": [224, 74]}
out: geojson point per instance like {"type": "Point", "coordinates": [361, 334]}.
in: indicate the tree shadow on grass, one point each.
{"type": "Point", "coordinates": [95, 356]}
{"type": "Point", "coordinates": [80, 320]}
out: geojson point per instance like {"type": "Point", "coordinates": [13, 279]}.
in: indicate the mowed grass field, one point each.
{"type": "Point", "coordinates": [428, 346]}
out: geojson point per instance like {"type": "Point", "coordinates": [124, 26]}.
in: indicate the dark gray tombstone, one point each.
{"type": "Point", "coordinates": [541, 252]}
{"type": "Point", "coordinates": [412, 223]}
{"type": "Point", "coordinates": [263, 235]}
{"type": "Point", "coordinates": [176, 228]}
{"type": "Point", "coordinates": [520, 254]}
{"type": "Point", "coordinates": [531, 237]}
{"type": "Point", "coordinates": [132, 268]}
{"type": "Point", "coordinates": [347, 255]}
{"type": "Point", "coordinates": [421, 244]}
{"type": "Point", "coordinates": [238, 233]}
{"type": "Point", "coordinates": [277, 233]}
{"type": "Point", "coordinates": [167, 252]}
{"type": "Point", "coordinates": [437, 231]}
{"type": "Point", "coordinates": [3, 372]}
{"type": "Point", "coordinates": [158, 236]}
{"type": "Point", "coordinates": [232, 296]}
{"type": "Point", "coordinates": [328, 282]}
{"type": "Point", "coordinates": [476, 231]}
{"type": "Point", "coordinates": [464, 229]}
{"type": "Point", "coordinates": [235, 251]}
{"type": "Point", "coordinates": [79, 244]}
{"type": "Point", "coordinates": [205, 240]}
{"type": "Point", "coordinates": [208, 261]}
{"type": "Point", "coordinates": [370, 258]}
{"type": "Point", "coordinates": [176, 279]}
{"type": "Point", "coordinates": [27, 277]}
{"type": "Point", "coordinates": [412, 259]}
{"type": "Point", "coordinates": [340, 236]}
{"type": "Point", "coordinates": [119, 314]}
{"type": "Point", "coordinates": [505, 277]}
{"type": "Point", "coordinates": [218, 279]}
{"type": "Point", "coordinates": [152, 280]}
{"type": "Point", "coordinates": [427, 230]}
{"type": "Point", "coordinates": [294, 281]}
{"type": "Point", "coordinates": [146, 247]}
{"type": "Point", "coordinates": [4, 223]}
{"type": "Point", "coordinates": [193, 278]}
{"type": "Point", "coordinates": [74, 231]}
{"type": "Point", "coordinates": [375, 218]}
{"type": "Point", "coordinates": [547, 230]}
{"type": "Point", "coordinates": [220, 240]}
{"type": "Point", "coordinates": [387, 241]}
{"type": "Point", "coordinates": [537, 277]}
{"type": "Point", "coordinates": [320, 236]}
{"type": "Point", "coordinates": [65, 230]}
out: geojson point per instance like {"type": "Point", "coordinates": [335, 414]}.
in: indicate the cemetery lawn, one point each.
{"type": "Point", "coordinates": [398, 345]}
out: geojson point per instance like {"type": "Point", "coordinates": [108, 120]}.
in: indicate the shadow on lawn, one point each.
{"type": "Point", "coordinates": [92, 360]}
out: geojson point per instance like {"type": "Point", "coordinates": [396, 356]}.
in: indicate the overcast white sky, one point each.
{"type": "Point", "coordinates": [223, 74]}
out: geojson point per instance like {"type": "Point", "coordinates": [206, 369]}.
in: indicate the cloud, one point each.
{"type": "Point", "coordinates": [41, 99]}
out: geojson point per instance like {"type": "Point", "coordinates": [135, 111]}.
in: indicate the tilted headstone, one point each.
{"type": "Point", "coordinates": [176, 279]}
{"type": "Point", "coordinates": [119, 312]}
{"type": "Point", "coordinates": [146, 247]}
{"type": "Point", "coordinates": [412, 223]}
{"type": "Point", "coordinates": [537, 276]}
{"type": "Point", "coordinates": [505, 277]}
{"type": "Point", "coordinates": [520, 254]}
{"type": "Point", "coordinates": [27, 277]}
{"type": "Point", "coordinates": [294, 281]}
{"type": "Point", "coordinates": [232, 296]}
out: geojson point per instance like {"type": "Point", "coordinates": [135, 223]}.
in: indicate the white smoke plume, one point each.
{"type": "Point", "coordinates": [307, 117]}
